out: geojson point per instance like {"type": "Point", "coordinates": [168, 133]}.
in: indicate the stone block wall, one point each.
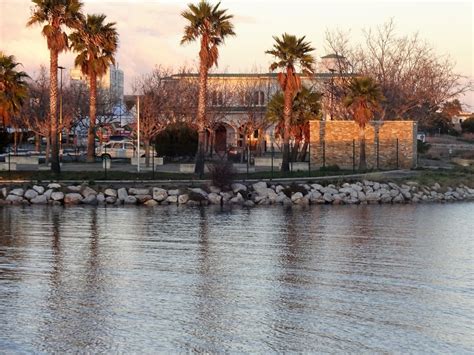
{"type": "Point", "coordinates": [389, 144]}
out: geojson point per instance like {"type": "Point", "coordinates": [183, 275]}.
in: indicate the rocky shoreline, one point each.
{"type": "Point", "coordinates": [259, 193]}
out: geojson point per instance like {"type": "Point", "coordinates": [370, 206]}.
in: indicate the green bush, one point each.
{"type": "Point", "coordinates": [222, 173]}
{"type": "Point", "coordinates": [467, 125]}
{"type": "Point", "coordinates": [178, 140]}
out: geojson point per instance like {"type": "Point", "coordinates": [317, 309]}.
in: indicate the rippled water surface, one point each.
{"type": "Point", "coordinates": [325, 278]}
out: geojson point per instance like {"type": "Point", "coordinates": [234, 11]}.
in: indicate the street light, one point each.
{"type": "Point", "coordinates": [61, 111]}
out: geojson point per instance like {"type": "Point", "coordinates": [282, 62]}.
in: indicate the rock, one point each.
{"type": "Point", "coordinates": [215, 189]}
{"type": "Point", "coordinates": [72, 198]}
{"type": "Point", "coordinates": [159, 194]}
{"type": "Point", "coordinates": [279, 189]}
{"type": "Point", "coordinates": [100, 197]}
{"type": "Point", "coordinates": [361, 196]}
{"type": "Point", "coordinates": [135, 191]}
{"type": "Point", "coordinates": [172, 199]}
{"type": "Point", "coordinates": [110, 192]}
{"type": "Point", "coordinates": [436, 186]}
{"type": "Point", "coordinates": [74, 188]}
{"type": "Point", "coordinates": [110, 200]}
{"type": "Point", "coordinates": [226, 196]}
{"type": "Point", "coordinates": [386, 198]}
{"type": "Point", "coordinates": [54, 186]}
{"type": "Point", "coordinates": [143, 198]}
{"type": "Point", "coordinates": [198, 190]}
{"type": "Point", "coordinates": [296, 196]}
{"type": "Point", "coordinates": [236, 187]}
{"type": "Point", "coordinates": [214, 198]}
{"type": "Point", "coordinates": [394, 193]}
{"type": "Point", "coordinates": [151, 203]}
{"type": "Point", "coordinates": [48, 193]}
{"type": "Point", "coordinates": [317, 187]}
{"type": "Point", "coordinates": [86, 191]}
{"type": "Point", "coordinates": [39, 200]}
{"type": "Point", "coordinates": [17, 192]}
{"type": "Point", "coordinates": [173, 192]}
{"type": "Point", "coordinates": [356, 187]}
{"type": "Point", "coordinates": [398, 199]}
{"type": "Point", "coordinates": [193, 203]}
{"type": "Point", "coordinates": [372, 197]}
{"type": "Point", "coordinates": [302, 201]}
{"type": "Point", "coordinates": [329, 189]}
{"type": "Point", "coordinates": [55, 203]}
{"type": "Point", "coordinates": [182, 199]}
{"type": "Point", "coordinates": [14, 199]}
{"type": "Point", "coordinates": [29, 194]}
{"type": "Point", "coordinates": [328, 197]}
{"type": "Point", "coordinates": [4, 192]}
{"type": "Point", "coordinates": [90, 199]}
{"type": "Point", "coordinates": [406, 194]}
{"type": "Point", "coordinates": [314, 196]}
{"type": "Point", "coordinates": [39, 189]}
{"type": "Point", "coordinates": [249, 203]}
{"type": "Point", "coordinates": [281, 197]}
{"type": "Point", "coordinates": [122, 194]}
{"type": "Point", "coordinates": [259, 185]}
{"type": "Point", "coordinates": [57, 196]}
{"type": "Point", "coordinates": [393, 186]}
{"type": "Point", "coordinates": [238, 199]}
{"type": "Point", "coordinates": [130, 200]}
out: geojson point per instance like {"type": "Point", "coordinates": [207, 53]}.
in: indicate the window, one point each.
{"type": "Point", "coordinates": [217, 98]}
{"type": "Point", "coordinates": [258, 98]}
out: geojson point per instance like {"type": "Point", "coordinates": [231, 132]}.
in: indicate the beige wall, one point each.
{"type": "Point", "coordinates": [337, 143]}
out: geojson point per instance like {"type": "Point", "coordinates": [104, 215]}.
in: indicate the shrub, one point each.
{"type": "Point", "coordinates": [467, 125]}
{"type": "Point", "coordinates": [177, 140]}
{"type": "Point", "coordinates": [4, 140]}
{"type": "Point", "coordinates": [222, 173]}
{"type": "Point", "coordinates": [422, 147]}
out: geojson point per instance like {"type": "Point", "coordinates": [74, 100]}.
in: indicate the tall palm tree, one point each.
{"type": "Point", "coordinates": [363, 99]}
{"type": "Point", "coordinates": [13, 88]}
{"type": "Point", "coordinates": [55, 15]}
{"type": "Point", "coordinates": [210, 25]}
{"type": "Point", "coordinates": [96, 43]}
{"type": "Point", "coordinates": [289, 52]}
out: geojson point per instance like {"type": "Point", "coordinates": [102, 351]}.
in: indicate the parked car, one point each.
{"type": "Point", "coordinates": [114, 149]}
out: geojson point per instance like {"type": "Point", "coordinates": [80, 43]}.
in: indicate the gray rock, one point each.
{"type": "Point", "coordinates": [376, 186]}
{"type": "Point", "coordinates": [173, 192]}
{"type": "Point", "coordinates": [4, 192]}
{"type": "Point", "coordinates": [72, 198]}
{"type": "Point", "coordinates": [361, 196]}
{"type": "Point", "coordinates": [135, 191]}
{"type": "Point", "coordinates": [182, 199]}
{"type": "Point", "coordinates": [386, 198]}
{"type": "Point", "coordinates": [29, 194]}
{"type": "Point", "coordinates": [214, 198]}
{"type": "Point", "coordinates": [14, 199]}
{"type": "Point", "coordinates": [172, 199]}
{"type": "Point", "coordinates": [151, 203]}
{"type": "Point", "coordinates": [39, 200]}
{"type": "Point", "coordinates": [279, 189]}
{"type": "Point", "coordinates": [122, 194]}
{"type": "Point", "coordinates": [100, 197]}
{"type": "Point", "coordinates": [110, 192]}
{"type": "Point", "coordinates": [302, 201]}
{"type": "Point", "coordinates": [372, 197]}
{"type": "Point", "coordinates": [17, 192]}
{"type": "Point", "coordinates": [296, 196]}
{"type": "Point", "coordinates": [76, 188]}
{"type": "Point", "coordinates": [317, 187]}
{"type": "Point", "coordinates": [194, 203]}
{"type": "Point", "coordinates": [159, 194]}
{"type": "Point", "coordinates": [259, 185]}
{"type": "Point", "coordinates": [398, 199]}
{"type": "Point", "coordinates": [200, 191]}
{"type": "Point", "coordinates": [39, 189]}
{"type": "Point", "coordinates": [110, 200]}
{"type": "Point", "coordinates": [226, 196]}
{"type": "Point", "coordinates": [130, 200]}
{"type": "Point", "coordinates": [215, 189]}
{"type": "Point", "coordinates": [236, 187]}
{"type": "Point", "coordinates": [54, 186]}
{"type": "Point", "coordinates": [238, 199]}
{"type": "Point", "coordinates": [57, 196]}
{"type": "Point", "coordinates": [356, 187]}
{"type": "Point", "coordinates": [86, 191]}
{"type": "Point", "coordinates": [393, 186]}
{"type": "Point", "coordinates": [436, 186]}
{"type": "Point", "coordinates": [406, 194]}
{"type": "Point", "coordinates": [329, 189]}
{"type": "Point", "coordinates": [394, 193]}
{"type": "Point", "coordinates": [90, 199]}
{"type": "Point", "coordinates": [249, 203]}
{"type": "Point", "coordinates": [328, 197]}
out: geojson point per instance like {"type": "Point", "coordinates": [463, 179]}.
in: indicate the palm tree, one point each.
{"type": "Point", "coordinates": [13, 88]}
{"type": "Point", "coordinates": [363, 99]}
{"type": "Point", "coordinates": [290, 52]}
{"type": "Point", "coordinates": [55, 14]}
{"type": "Point", "coordinates": [306, 106]}
{"type": "Point", "coordinates": [96, 43]}
{"type": "Point", "coordinates": [210, 25]}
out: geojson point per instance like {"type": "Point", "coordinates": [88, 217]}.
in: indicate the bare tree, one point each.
{"type": "Point", "coordinates": [410, 73]}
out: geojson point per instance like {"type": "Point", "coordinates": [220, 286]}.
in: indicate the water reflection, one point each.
{"type": "Point", "coordinates": [219, 279]}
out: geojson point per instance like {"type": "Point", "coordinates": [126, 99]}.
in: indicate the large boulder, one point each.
{"type": "Point", "coordinates": [172, 199]}
{"type": "Point", "coordinates": [151, 203]}
{"type": "Point", "coordinates": [74, 188]}
{"type": "Point", "coordinates": [214, 198]}
{"type": "Point", "coordinates": [54, 186]}
{"type": "Point", "coordinates": [159, 194]}
{"type": "Point", "coordinates": [143, 198]}
{"type": "Point", "coordinates": [90, 199]}
{"type": "Point", "coordinates": [30, 194]}
{"type": "Point", "coordinates": [14, 199]}
{"type": "Point", "coordinates": [182, 199]}
{"type": "Point", "coordinates": [259, 185]}
{"type": "Point", "coordinates": [130, 200]}
{"type": "Point", "coordinates": [17, 192]}
{"type": "Point", "coordinates": [86, 191]}
{"type": "Point", "coordinates": [173, 192]}
{"type": "Point", "coordinates": [57, 196]}
{"type": "Point", "coordinates": [39, 200]}
{"type": "Point", "coordinates": [39, 189]}
{"type": "Point", "coordinates": [72, 198]}
{"type": "Point", "coordinates": [48, 193]}
{"type": "Point", "coordinates": [110, 192]}
{"type": "Point", "coordinates": [122, 194]}
{"type": "Point", "coordinates": [135, 191]}
{"type": "Point", "coordinates": [237, 187]}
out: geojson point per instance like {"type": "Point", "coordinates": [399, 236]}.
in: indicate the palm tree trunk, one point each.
{"type": "Point", "coordinates": [362, 157]}
{"type": "Point", "coordinates": [37, 142]}
{"type": "Point", "coordinates": [53, 108]}
{"type": "Point", "coordinates": [48, 150]}
{"type": "Point", "coordinates": [92, 118]}
{"type": "Point", "coordinates": [201, 119]}
{"type": "Point", "coordinates": [285, 165]}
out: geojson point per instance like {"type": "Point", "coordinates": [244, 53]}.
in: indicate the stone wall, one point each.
{"type": "Point", "coordinates": [389, 144]}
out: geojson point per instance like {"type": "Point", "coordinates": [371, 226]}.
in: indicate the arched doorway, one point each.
{"type": "Point", "coordinates": [221, 139]}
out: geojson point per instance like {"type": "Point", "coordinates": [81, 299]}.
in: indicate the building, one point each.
{"type": "Point", "coordinates": [113, 81]}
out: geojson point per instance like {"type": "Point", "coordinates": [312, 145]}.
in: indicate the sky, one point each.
{"type": "Point", "coordinates": [150, 31]}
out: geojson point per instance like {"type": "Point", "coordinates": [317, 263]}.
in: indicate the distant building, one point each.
{"type": "Point", "coordinates": [113, 80]}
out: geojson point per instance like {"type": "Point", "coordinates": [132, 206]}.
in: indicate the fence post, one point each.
{"type": "Point", "coordinates": [398, 163]}
{"type": "Point", "coordinates": [153, 165]}
{"type": "Point", "coordinates": [271, 174]}
{"type": "Point", "coordinates": [104, 161]}
{"type": "Point", "coordinates": [248, 160]}
{"type": "Point", "coordinates": [290, 153]}
{"type": "Point", "coordinates": [9, 160]}
{"type": "Point", "coordinates": [309, 159]}
{"type": "Point", "coordinates": [378, 153]}
{"type": "Point", "coordinates": [324, 154]}
{"type": "Point", "coordinates": [353, 155]}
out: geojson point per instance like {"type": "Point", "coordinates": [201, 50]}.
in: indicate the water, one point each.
{"type": "Point", "coordinates": [324, 278]}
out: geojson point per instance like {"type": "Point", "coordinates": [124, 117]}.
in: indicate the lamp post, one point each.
{"type": "Point", "coordinates": [138, 133]}
{"type": "Point", "coordinates": [61, 111]}
{"type": "Point", "coordinates": [332, 70]}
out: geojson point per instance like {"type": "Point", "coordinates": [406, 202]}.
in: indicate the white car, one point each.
{"type": "Point", "coordinates": [121, 149]}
